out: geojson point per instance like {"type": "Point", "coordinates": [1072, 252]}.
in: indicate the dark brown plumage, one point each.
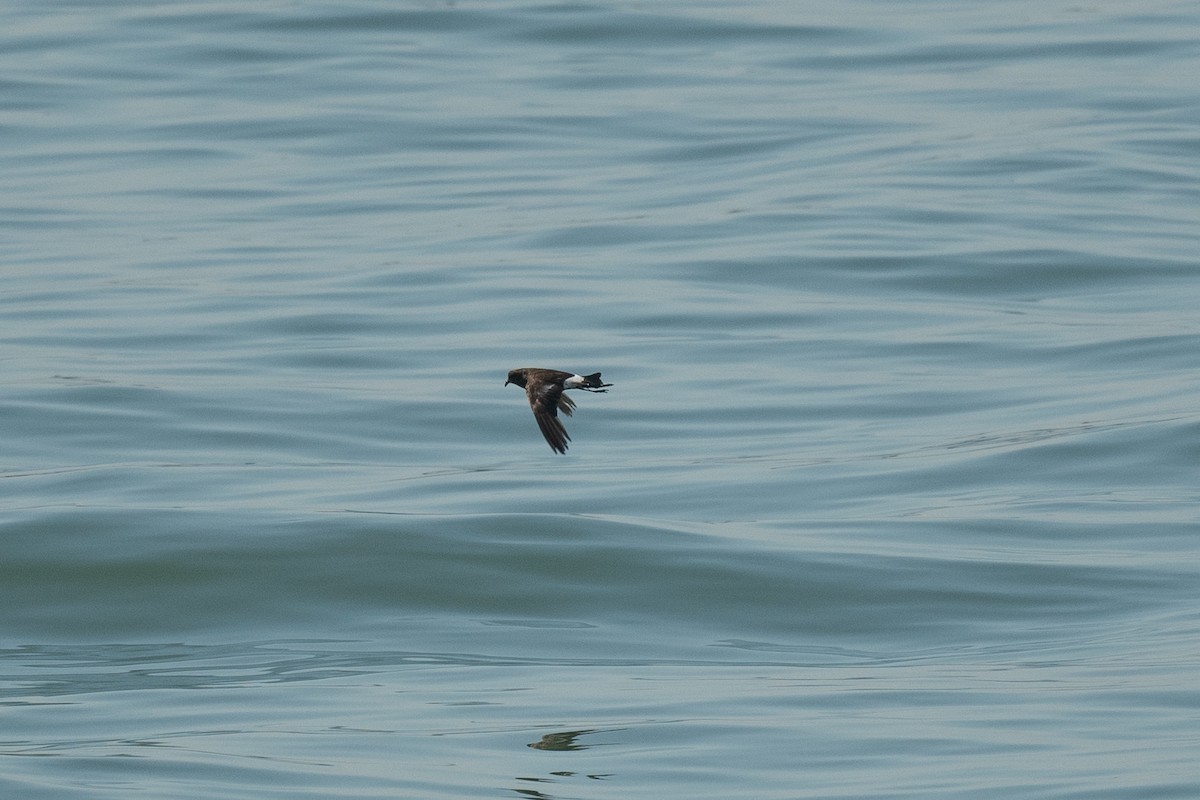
{"type": "Point", "coordinates": [545, 390]}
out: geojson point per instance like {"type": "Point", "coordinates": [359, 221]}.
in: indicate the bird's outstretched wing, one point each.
{"type": "Point", "coordinates": [547, 400]}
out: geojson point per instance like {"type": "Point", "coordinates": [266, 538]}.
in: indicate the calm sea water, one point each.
{"type": "Point", "coordinates": [895, 493]}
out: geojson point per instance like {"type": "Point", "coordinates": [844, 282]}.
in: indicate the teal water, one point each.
{"type": "Point", "coordinates": [894, 495]}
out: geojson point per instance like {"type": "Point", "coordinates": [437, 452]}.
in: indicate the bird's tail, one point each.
{"type": "Point", "coordinates": [593, 384]}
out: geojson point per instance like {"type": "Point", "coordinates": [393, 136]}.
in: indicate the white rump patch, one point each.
{"type": "Point", "coordinates": [574, 382]}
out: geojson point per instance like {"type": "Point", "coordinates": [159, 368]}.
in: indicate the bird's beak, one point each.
{"type": "Point", "coordinates": [506, 383]}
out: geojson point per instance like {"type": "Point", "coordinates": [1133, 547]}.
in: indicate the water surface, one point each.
{"type": "Point", "coordinates": [894, 494]}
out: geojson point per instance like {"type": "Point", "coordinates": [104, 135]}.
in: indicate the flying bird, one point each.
{"type": "Point", "coordinates": [544, 388]}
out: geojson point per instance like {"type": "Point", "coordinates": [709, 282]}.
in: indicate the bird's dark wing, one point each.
{"type": "Point", "coordinates": [546, 400]}
{"type": "Point", "coordinates": [554, 375]}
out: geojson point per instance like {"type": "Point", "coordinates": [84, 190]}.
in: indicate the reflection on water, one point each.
{"type": "Point", "coordinates": [564, 740]}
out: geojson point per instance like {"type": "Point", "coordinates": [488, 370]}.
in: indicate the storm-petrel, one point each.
{"type": "Point", "coordinates": [544, 388]}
